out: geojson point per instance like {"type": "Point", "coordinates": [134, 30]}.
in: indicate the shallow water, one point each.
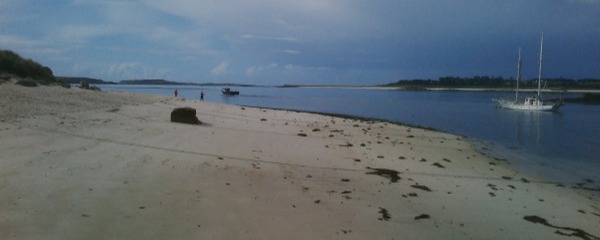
{"type": "Point", "coordinates": [559, 146]}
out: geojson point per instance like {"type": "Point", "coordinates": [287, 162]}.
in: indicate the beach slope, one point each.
{"type": "Point", "coordinates": [77, 164]}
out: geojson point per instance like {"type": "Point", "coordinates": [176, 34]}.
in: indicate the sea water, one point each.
{"type": "Point", "coordinates": [558, 146]}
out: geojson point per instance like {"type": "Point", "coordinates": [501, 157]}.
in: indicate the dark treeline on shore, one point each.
{"type": "Point", "coordinates": [77, 80]}
{"type": "Point", "coordinates": [498, 82]}
{"type": "Point", "coordinates": [30, 72]}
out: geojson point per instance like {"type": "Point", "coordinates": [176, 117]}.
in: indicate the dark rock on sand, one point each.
{"type": "Point", "coordinates": [185, 115]}
{"type": "Point", "coordinates": [392, 175]}
{"type": "Point", "coordinates": [422, 216]}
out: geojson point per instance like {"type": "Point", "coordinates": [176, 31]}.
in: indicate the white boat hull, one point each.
{"type": "Point", "coordinates": [528, 105]}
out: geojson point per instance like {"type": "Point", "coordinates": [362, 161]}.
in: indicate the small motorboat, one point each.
{"type": "Point", "coordinates": [228, 91]}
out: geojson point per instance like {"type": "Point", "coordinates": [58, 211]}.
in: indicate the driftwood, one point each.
{"type": "Point", "coordinates": [185, 115]}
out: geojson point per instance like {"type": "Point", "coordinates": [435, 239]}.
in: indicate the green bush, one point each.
{"type": "Point", "coordinates": [12, 63]}
{"type": "Point", "coordinates": [27, 83]}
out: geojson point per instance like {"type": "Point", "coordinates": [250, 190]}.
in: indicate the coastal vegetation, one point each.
{"type": "Point", "coordinates": [496, 83]}
{"type": "Point", "coordinates": [77, 80]}
{"type": "Point", "coordinates": [30, 72]}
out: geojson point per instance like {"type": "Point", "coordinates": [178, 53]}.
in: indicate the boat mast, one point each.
{"type": "Point", "coordinates": [518, 76]}
{"type": "Point", "coordinates": [540, 71]}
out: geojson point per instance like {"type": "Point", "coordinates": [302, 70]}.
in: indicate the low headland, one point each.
{"type": "Point", "coordinates": [80, 164]}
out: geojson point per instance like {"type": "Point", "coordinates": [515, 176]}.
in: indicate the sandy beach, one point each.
{"type": "Point", "coordinates": [79, 164]}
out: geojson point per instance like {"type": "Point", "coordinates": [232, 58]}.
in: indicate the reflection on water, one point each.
{"type": "Point", "coordinates": [530, 123]}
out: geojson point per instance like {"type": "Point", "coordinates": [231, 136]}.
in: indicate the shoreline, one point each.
{"type": "Point", "coordinates": [347, 116]}
{"type": "Point", "coordinates": [573, 181]}
{"type": "Point", "coordinates": [466, 89]}
{"type": "Point", "coordinates": [375, 87]}
{"type": "Point", "coordinates": [113, 159]}
{"type": "Point", "coordinates": [481, 146]}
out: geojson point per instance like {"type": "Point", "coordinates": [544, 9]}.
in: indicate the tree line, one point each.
{"type": "Point", "coordinates": [12, 63]}
{"type": "Point", "coordinates": [498, 82]}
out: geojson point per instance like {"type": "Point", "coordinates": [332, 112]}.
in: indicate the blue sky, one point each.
{"type": "Point", "coordinates": [276, 42]}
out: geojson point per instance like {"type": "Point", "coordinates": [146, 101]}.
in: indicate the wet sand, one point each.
{"type": "Point", "coordinates": [77, 164]}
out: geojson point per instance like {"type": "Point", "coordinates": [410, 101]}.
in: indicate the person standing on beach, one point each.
{"type": "Point", "coordinates": [201, 95]}
{"type": "Point", "coordinates": [175, 92]}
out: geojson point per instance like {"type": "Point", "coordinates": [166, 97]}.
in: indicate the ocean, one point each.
{"type": "Point", "coordinates": [561, 146]}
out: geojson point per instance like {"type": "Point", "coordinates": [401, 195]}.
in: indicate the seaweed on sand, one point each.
{"type": "Point", "coordinates": [575, 232]}
{"type": "Point", "coordinates": [385, 215]}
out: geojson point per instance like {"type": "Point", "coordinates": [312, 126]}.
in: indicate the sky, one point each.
{"type": "Point", "coordinates": [274, 42]}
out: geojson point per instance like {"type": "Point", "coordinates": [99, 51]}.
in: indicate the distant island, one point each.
{"type": "Point", "coordinates": [492, 83]}
{"type": "Point", "coordinates": [442, 83]}
{"type": "Point", "coordinates": [78, 80]}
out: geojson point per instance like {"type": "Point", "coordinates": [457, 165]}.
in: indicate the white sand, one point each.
{"type": "Point", "coordinates": [77, 164]}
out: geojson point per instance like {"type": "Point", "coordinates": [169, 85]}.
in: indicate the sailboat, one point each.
{"type": "Point", "coordinates": [535, 103]}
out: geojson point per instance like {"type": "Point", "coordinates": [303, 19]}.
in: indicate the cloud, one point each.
{"type": "Point", "coordinates": [292, 67]}
{"type": "Point", "coordinates": [251, 71]}
{"type": "Point", "coordinates": [254, 37]}
{"type": "Point", "coordinates": [420, 39]}
{"type": "Point", "coordinates": [219, 69]}
{"type": "Point", "coordinates": [290, 51]}
{"type": "Point", "coordinates": [134, 70]}
{"type": "Point", "coordinates": [15, 41]}
{"type": "Point", "coordinates": [80, 34]}
{"type": "Point", "coordinates": [255, 70]}
{"type": "Point", "coordinates": [592, 2]}
{"type": "Point", "coordinates": [30, 48]}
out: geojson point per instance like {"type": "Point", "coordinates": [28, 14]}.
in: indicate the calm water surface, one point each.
{"type": "Point", "coordinates": [562, 146]}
